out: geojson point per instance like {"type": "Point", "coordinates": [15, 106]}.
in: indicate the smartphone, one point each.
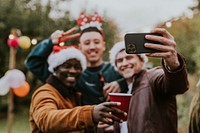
{"type": "Point", "coordinates": [134, 43]}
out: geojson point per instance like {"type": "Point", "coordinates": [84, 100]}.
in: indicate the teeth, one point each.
{"type": "Point", "coordinates": [93, 52]}
{"type": "Point", "coordinates": [71, 78]}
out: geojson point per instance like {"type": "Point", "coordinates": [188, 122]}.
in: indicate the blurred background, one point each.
{"type": "Point", "coordinates": [37, 19]}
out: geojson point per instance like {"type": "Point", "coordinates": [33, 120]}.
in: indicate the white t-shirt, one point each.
{"type": "Point", "coordinates": [123, 125]}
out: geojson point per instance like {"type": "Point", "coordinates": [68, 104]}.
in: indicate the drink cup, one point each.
{"type": "Point", "coordinates": [124, 99]}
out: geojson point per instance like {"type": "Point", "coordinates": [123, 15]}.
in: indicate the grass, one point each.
{"type": "Point", "coordinates": [20, 122]}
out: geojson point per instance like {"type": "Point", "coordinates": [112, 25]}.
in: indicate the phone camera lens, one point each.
{"type": "Point", "coordinates": [131, 48]}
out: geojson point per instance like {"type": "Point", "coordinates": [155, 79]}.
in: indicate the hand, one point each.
{"type": "Point", "coordinates": [101, 127]}
{"type": "Point", "coordinates": [168, 51]}
{"type": "Point", "coordinates": [60, 36]}
{"type": "Point", "coordinates": [104, 112]}
{"type": "Point", "coordinates": [112, 87]}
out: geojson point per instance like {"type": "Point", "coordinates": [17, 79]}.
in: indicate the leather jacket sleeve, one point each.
{"type": "Point", "coordinates": [172, 83]}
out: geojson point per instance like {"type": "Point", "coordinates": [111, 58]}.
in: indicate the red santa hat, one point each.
{"type": "Point", "coordinates": [61, 54]}
{"type": "Point", "coordinates": [119, 47]}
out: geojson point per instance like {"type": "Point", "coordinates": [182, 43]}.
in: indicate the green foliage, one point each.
{"type": "Point", "coordinates": [20, 124]}
{"type": "Point", "coordinates": [187, 33]}
{"type": "Point", "coordinates": [111, 33]}
{"type": "Point", "coordinates": [33, 20]}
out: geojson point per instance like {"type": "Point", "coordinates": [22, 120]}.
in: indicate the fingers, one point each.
{"type": "Point", "coordinates": [70, 31]}
{"type": "Point", "coordinates": [106, 91]}
{"type": "Point", "coordinates": [163, 32]}
{"type": "Point", "coordinates": [110, 117]}
{"type": "Point", "coordinates": [112, 87]}
{"type": "Point", "coordinates": [111, 107]}
{"type": "Point", "coordinates": [69, 37]}
{"type": "Point", "coordinates": [102, 125]}
{"type": "Point", "coordinates": [161, 48]}
{"type": "Point", "coordinates": [166, 39]}
{"type": "Point", "coordinates": [55, 36]}
{"type": "Point", "coordinates": [109, 104]}
{"type": "Point", "coordinates": [107, 121]}
{"type": "Point", "coordinates": [161, 40]}
{"type": "Point", "coordinates": [60, 36]}
{"type": "Point", "coordinates": [107, 112]}
{"type": "Point", "coordinates": [57, 33]}
{"type": "Point", "coordinates": [166, 49]}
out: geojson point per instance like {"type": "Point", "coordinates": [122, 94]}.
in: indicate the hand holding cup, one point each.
{"type": "Point", "coordinates": [124, 99]}
{"type": "Point", "coordinates": [104, 112]}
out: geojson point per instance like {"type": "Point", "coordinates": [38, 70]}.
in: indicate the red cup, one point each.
{"type": "Point", "coordinates": [124, 99]}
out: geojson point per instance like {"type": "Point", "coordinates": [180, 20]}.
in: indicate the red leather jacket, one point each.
{"type": "Point", "coordinates": [153, 106]}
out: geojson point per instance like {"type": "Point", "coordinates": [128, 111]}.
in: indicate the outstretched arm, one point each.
{"type": "Point", "coordinates": [175, 80]}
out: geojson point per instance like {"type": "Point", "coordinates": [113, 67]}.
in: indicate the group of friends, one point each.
{"type": "Point", "coordinates": [74, 97]}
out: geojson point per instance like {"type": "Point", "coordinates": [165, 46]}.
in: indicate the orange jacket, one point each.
{"type": "Point", "coordinates": [50, 112]}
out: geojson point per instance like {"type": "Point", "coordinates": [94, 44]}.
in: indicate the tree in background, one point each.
{"type": "Point", "coordinates": [33, 19]}
{"type": "Point", "coordinates": [187, 33]}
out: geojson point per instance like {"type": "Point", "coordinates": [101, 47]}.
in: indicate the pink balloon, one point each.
{"type": "Point", "coordinates": [13, 42]}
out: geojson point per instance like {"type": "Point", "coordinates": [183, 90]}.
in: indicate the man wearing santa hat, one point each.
{"type": "Point", "coordinates": [99, 78]}
{"type": "Point", "coordinates": [54, 106]}
{"type": "Point", "coordinates": [91, 42]}
{"type": "Point", "coordinates": [153, 104]}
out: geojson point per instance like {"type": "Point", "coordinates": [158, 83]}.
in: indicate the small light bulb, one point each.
{"type": "Point", "coordinates": [168, 24]}
{"type": "Point", "coordinates": [61, 44]}
{"type": "Point", "coordinates": [11, 36]}
{"type": "Point", "coordinates": [34, 41]}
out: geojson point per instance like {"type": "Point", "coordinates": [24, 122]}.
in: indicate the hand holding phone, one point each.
{"type": "Point", "coordinates": [134, 43]}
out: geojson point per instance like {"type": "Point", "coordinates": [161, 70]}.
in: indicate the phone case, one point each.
{"type": "Point", "coordinates": [134, 43]}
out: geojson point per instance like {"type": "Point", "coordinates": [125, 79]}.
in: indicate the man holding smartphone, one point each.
{"type": "Point", "coordinates": [153, 104]}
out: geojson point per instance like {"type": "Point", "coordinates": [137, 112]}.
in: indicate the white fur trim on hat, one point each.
{"type": "Point", "coordinates": [58, 58]}
{"type": "Point", "coordinates": [117, 48]}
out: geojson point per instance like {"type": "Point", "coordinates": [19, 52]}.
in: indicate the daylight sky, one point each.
{"type": "Point", "coordinates": [131, 15]}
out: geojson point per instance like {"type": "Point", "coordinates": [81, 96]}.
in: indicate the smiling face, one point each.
{"type": "Point", "coordinates": [92, 46]}
{"type": "Point", "coordinates": [128, 64]}
{"type": "Point", "coordinates": [69, 72]}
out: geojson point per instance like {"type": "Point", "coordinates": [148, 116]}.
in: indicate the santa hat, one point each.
{"type": "Point", "coordinates": [119, 47]}
{"type": "Point", "coordinates": [61, 54]}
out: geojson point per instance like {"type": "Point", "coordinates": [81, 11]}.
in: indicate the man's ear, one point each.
{"type": "Point", "coordinates": [79, 45]}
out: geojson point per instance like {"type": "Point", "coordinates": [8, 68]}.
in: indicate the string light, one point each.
{"type": "Point", "coordinates": [34, 41]}
{"type": "Point", "coordinates": [11, 36]}
{"type": "Point", "coordinates": [61, 44]}
{"type": "Point", "coordinates": [168, 24]}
